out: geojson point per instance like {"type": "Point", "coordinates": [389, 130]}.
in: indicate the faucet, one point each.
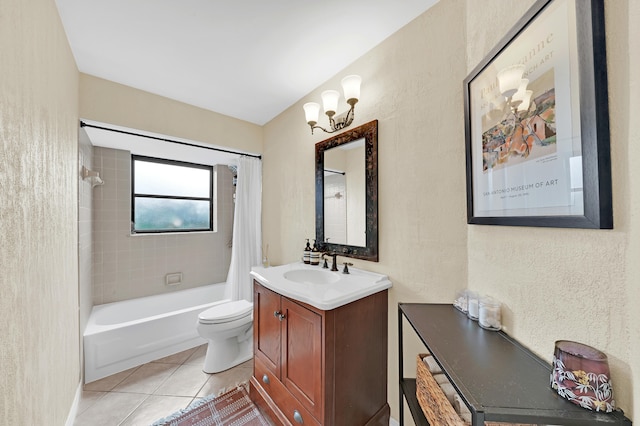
{"type": "Point", "coordinates": [334, 262]}
{"type": "Point", "coordinates": [324, 265]}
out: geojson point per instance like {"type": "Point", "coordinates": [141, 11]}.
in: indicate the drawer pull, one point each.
{"type": "Point", "coordinates": [265, 379]}
{"type": "Point", "coordinates": [297, 417]}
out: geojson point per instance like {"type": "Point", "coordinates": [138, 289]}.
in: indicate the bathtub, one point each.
{"type": "Point", "coordinates": [122, 335]}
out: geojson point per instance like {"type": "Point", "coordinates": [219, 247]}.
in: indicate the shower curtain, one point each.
{"type": "Point", "coordinates": [247, 231]}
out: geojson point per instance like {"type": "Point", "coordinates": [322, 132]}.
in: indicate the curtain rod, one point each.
{"type": "Point", "coordinates": [335, 171]}
{"type": "Point", "coordinates": [83, 124]}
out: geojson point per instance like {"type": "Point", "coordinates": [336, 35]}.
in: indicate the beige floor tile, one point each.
{"type": "Point", "coordinates": [187, 380]}
{"type": "Point", "coordinates": [111, 409]}
{"type": "Point", "coordinates": [126, 398]}
{"type": "Point", "coordinates": [87, 399]}
{"type": "Point", "coordinates": [178, 358]}
{"type": "Point", "coordinates": [109, 382]}
{"type": "Point", "coordinates": [147, 378]}
{"type": "Point", "coordinates": [226, 380]}
{"type": "Point", "coordinates": [247, 365]}
{"type": "Point", "coordinates": [197, 358]}
{"type": "Point", "coordinates": [156, 407]}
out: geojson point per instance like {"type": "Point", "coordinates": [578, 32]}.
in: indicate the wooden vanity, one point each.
{"type": "Point", "coordinates": [320, 367]}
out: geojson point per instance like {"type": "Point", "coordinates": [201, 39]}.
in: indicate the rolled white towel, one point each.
{"type": "Point", "coordinates": [434, 368]}
{"type": "Point", "coordinates": [441, 378]}
{"type": "Point", "coordinates": [449, 392]}
{"type": "Point", "coordinates": [461, 408]}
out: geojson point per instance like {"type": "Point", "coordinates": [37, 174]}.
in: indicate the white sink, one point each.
{"type": "Point", "coordinates": [312, 276]}
{"type": "Point", "coordinates": [319, 287]}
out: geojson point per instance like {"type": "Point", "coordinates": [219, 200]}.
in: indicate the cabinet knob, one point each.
{"type": "Point", "coordinates": [279, 315]}
{"type": "Point", "coordinates": [297, 417]}
{"type": "Point", "coordinates": [265, 379]}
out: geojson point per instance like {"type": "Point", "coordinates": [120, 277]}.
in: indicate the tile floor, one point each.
{"type": "Point", "coordinates": [144, 394]}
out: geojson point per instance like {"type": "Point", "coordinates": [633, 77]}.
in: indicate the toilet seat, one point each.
{"type": "Point", "coordinates": [226, 312]}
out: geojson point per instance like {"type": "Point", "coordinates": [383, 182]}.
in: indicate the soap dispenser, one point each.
{"type": "Point", "coordinates": [315, 255]}
{"type": "Point", "coordinates": [306, 253]}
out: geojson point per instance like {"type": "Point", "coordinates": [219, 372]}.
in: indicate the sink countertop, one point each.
{"type": "Point", "coordinates": [348, 288]}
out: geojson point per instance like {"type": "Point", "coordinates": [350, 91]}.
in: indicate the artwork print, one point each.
{"type": "Point", "coordinates": [537, 122]}
{"type": "Point", "coordinates": [520, 136]}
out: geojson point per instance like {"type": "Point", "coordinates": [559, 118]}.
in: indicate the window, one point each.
{"type": "Point", "coordinates": [170, 196]}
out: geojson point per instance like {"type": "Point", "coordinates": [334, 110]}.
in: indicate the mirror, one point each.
{"type": "Point", "coordinates": [347, 193]}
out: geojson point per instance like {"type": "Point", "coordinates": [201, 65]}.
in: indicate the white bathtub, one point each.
{"type": "Point", "coordinates": [122, 335]}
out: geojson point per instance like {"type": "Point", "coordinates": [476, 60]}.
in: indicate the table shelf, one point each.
{"type": "Point", "coordinates": [497, 377]}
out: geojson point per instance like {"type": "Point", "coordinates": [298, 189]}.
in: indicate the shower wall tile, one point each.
{"type": "Point", "coordinates": [126, 266]}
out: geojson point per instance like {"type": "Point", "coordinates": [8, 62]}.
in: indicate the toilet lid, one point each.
{"type": "Point", "coordinates": [226, 312]}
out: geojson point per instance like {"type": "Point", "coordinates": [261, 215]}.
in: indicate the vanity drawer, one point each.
{"type": "Point", "coordinates": [289, 406]}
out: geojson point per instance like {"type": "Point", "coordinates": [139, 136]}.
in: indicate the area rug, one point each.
{"type": "Point", "coordinates": [233, 408]}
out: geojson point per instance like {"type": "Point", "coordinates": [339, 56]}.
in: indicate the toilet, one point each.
{"type": "Point", "coordinates": [228, 330]}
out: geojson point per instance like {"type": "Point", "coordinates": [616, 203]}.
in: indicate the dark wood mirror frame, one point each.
{"type": "Point", "coordinates": [369, 132]}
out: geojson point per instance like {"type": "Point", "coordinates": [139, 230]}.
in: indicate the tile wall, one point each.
{"type": "Point", "coordinates": [126, 266]}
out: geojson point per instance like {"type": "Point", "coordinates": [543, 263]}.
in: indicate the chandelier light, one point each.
{"type": "Point", "coordinates": [330, 98]}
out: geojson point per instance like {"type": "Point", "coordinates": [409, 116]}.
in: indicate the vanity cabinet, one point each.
{"type": "Point", "coordinates": [317, 367]}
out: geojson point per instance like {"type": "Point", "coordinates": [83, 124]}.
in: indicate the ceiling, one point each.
{"type": "Point", "coordinates": [248, 59]}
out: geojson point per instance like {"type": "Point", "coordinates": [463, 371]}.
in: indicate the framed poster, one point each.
{"type": "Point", "coordinates": [537, 122]}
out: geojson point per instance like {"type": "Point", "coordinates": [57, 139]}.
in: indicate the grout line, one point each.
{"type": "Point", "coordinates": [148, 395]}
{"type": "Point", "coordinates": [203, 385]}
{"type": "Point", "coordinates": [134, 410]}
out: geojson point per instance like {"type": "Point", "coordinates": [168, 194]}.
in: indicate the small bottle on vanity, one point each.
{"type": "Point", "coordinates": [315, 254]}
{"type": "Point", "coordinates": [306, 253]}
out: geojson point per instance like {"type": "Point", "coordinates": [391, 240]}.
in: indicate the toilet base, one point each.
{"type": "Point", "coordinates": [226, 353]}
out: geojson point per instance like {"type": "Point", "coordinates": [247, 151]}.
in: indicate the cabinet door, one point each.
{"type": "Point", "coordinates": [266, 327]}
{"type": "Point", "coordinates": [302, 368]}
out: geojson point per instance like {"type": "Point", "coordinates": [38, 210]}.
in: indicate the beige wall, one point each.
{"type": "Point", "coordinates": [412, 83]}
{"type": "Point", "coordinates": [112, 103]}
{"type": "Point", "coordinates": [126, 266]}
{"type": "Point", "coordinates": [39, 354]}
{"type": "Point", "coordinates": [577, 284]}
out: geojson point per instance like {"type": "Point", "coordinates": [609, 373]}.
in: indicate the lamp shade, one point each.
{"type": "Point", "coordinates": [580, 374]}
{"type": "Point", "coordinates": [509, 79]}
{"type": "Point", "coordinates": [526, 100]}
{"type": "Point", "coordinates": [520, 93]}
{"type": "Point", "coordinates": [330, 101]}
{"type": "Point", "coordinates": [311, 112]}
{"type": "Point", "coordinates": [351, 87]}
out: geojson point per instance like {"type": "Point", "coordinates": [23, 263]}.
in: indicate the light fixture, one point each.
{"type": "Point", "coordinates": [518, 101]}
{"type": "Point", "coordinates": [509, 79]}
{"type": "Point", "coordinates": [514, 88]}
{"type": "Point", "coordinates": [330, 98]}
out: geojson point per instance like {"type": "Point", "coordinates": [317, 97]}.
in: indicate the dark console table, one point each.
{"type": "Point", "coordinates": [498, 378]}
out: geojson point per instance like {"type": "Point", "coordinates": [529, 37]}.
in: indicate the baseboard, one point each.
{"type": "Point", "coordinates": [73, 412]}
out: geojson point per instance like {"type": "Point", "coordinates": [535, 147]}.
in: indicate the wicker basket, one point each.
{"type": "Point", "coordinates": [435, 405]}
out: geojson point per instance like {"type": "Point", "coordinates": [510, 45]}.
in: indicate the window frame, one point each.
{"type": "Point", "coordinates": [134, 195]}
